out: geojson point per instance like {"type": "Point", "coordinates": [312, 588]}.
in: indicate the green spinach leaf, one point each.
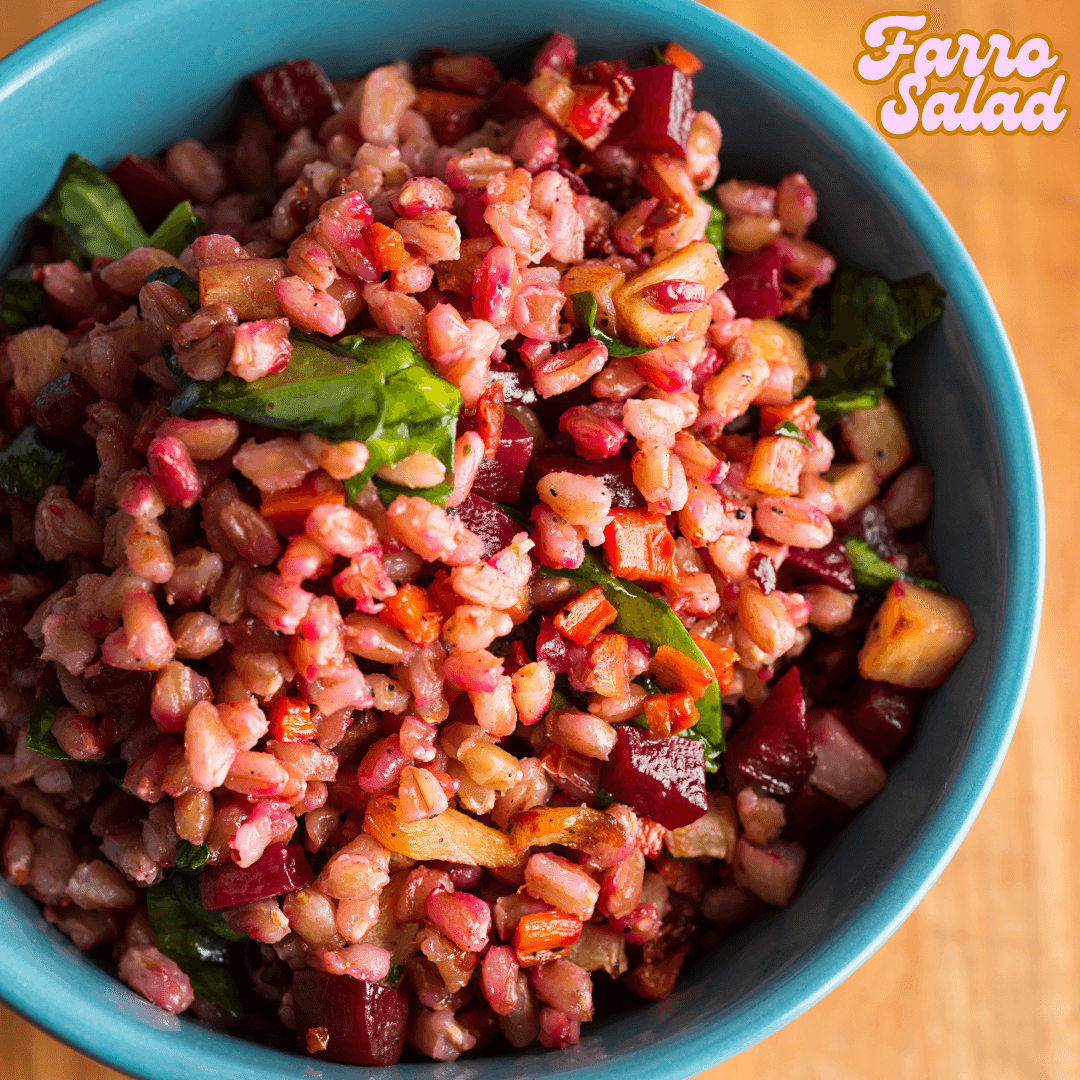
{"type": "Point", "coordinates": [190, 858]}
{"type": "Point", "coordinates": [869, 319]}
{"type": "Point", "coordinates": [585, 313]}
{"type": "Point", "coordinates": [23, 300]}
{"type": "Point", "coordinates": [177, 230]}
{"type": "Point", "coordinates": [176, 277]}
{"type": "Point", "coordinates": [200, 954]}
{"type": "Point", "coordinates": [643, 615]}
{"type": "Point", "coordinates": [186, 888]}
{"type": "Point", "coordinates": [714, 231]}
{"type": "Point", "coordinates": [30, 463]}
{"type": "Point", "coordinates": [89, 209]}
{"type": "Point", "coordinates": [380, 391]}
{"type": "Point", "coordinates": [789, 431]}
{"type": "Point", "coordinates": [874, 573]}
{"type": "Point", "coordinates": [39, 736]}
{"type": "Point", "coordinates": [831, 408]}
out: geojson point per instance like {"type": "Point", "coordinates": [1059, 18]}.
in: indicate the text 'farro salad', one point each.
{"type": "Point", "coordinates": [458, 558]}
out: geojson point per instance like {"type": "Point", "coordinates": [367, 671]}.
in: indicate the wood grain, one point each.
{"type": "Point", "coordinates": [983, 981]}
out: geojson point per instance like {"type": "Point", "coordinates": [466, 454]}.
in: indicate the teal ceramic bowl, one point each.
{"type": "Point", "coordinates": [137, 74]}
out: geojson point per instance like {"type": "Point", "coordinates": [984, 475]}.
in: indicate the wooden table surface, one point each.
{"type": "Point", "coordinates": [983, 981]}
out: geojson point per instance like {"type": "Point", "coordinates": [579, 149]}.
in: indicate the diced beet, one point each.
{"type": "Point", "coordinates": [754, 284]}
{"type": "Point", "coordinates": [808, 808]}
{"type": "Point", "coordinates": [664, 779]}
{"type": "Point", "coordinates": [879, 715]}
{"type": "Point", "coordinates": [827, 566]}
{"type": "Point", "coordinates": [120, 695]}
{"type": "Point", "coordinates": [614, 471]}
{"type": "Point", "coordinates": [151, 192]}
{"type": "Point", "coordinates": [843, 767]}
{"type": "Point", "coordinates": [297, 94]}
{"type": "Point", "coordinates": [365, 1022]}
{"type": "Point", "coordinates": [660, 111]}
{"type": "Point", "coordinates": [772, 748]}
{"type": "Point", "coordinates": [552, 647]}
{"type": "Point", "coordinates": [499, 479]}
{"type": "Point", "coordinates": [518, 386]}
{"type": "Point", "coordinates": [872, 525]}
{"type": "Point", "coordinates": [510, 102]}
{"type": "Point", "coordinates": [59, 407]}
{"type": "Point", "coordinates": [15, 647]}
{"type": "Point", "coordinates": [283, 868]}
{"type": "Point", "coordinates": [771, 871]}
{"type": "Point", "coordinates": [494, 526]}
{"type": "Point", "coordinates": [346, 791]}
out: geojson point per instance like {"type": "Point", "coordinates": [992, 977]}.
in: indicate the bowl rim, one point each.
{"type": "Point", "coordinates": [865, 932]}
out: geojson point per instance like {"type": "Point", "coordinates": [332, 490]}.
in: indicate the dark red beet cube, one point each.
{"type": "Point", "coordinates": [17, 648]}
{"type": "Point", "coordinates": [500, 478]}
{"type": "Point", "coordinates": [614, 471]}
{"type": "Point", "coordinates": [826, 566]}
{"type": "Point", "coordinates": [772, 748]}
{"type": "Point", "coordinates": [150, 192]}
{"type": "Point", "coordinates": [879, 714]}
{"type": "Point", "coordinates": [59, 408]}
{"type": "Point", "coordinates": [120, 695]}
{"type": "Point", "coordinates": [660, 111]}
{"type": "Point", "coordinates": [755, 284]}
{"type": "Point", "coordinates": [553, 648]}
{"type": "Point", "coordinates": [510, 102]}
{"type": "Point", "coordinates": [365, 1022]}
{"type": "Point", "coordinates": [808, 808]}
{"type": "Point", "coordinates": [494, 526]}
{"type": "Point", "coordinates": [872, 525]}
{"type": "Point", "coordinates": [664, 779]}
{"type": "Point", "coordinates": [297, 94]}
{"type": "Point", "coordinates": [282, 869]}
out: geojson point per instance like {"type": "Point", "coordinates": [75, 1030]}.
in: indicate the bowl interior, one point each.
{"type": "Point", "coordinates": [167, 76]}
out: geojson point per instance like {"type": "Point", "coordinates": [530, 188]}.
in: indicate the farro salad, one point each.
{"type": "Point", "coordinates": [458, 557]}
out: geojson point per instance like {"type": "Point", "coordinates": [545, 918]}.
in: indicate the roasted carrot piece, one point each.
{"type": "Point", "coordinates": [682, 58]}
{"type": "Point", "coordinates": [639, 545]}
{"type": "Point", "coordinates": [489, 417]}
{"type": "Point", "coordinates": [290, 720]}
{"type": "Point", "coordinates": [433, 105]}
{"type": "Point", "coordinates": [442, 593]}
{"type": "Point", "coordinates": [387, 245]}
{"type": "Point", "coordinates": [288, 510]}
{"type": "Point", "coordinates": [410, 609]}
{"type": "Point", "coordinates": [607, 657]}
{"type": "Point", "coordinates": [675, 671]}
{"type": "Point", "coordinates": [668, 714]}
{"type": "Point", "coordinates": [585, 616]}
{"type": "Point", "coordinates": [721, 659]}
{"type": "Point", "coordinates": [800, 413]}
{"type": "Point", "coordinates": [543, 936]}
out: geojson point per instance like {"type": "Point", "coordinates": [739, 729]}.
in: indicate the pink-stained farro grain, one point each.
{"type": "Point", "coordinates": [581, 732]}
{"type": "Point", "coordinates": [310, 308]}
{"type": "Point", "coordinates": [420, 794]}
{"type": "Point", "coordinates": [340, 460]}
{"type": "Point", "coordinates": [262, 921]}
{"type": "Point", "coordinates": [438, 1035]}
{"type": "Point", "coordinates": [465, 919]}
{"type": "Point", "coordinates": [208, 747]}
{"type": "Point", "coordinates": [274, 465]}
{"type": "Point", "coordinates": [99, 886]}
{"type": "Point", "coordinates": [418, 470]}
{"type": "Point", "coordinates": [192, 814]}
{"type": "Point", "coordinates": [431, 532]}
{"type": "Point", "coordinates": [565, 987]}
{"type": "Point", "coordinates": [341, 530]}
{"type": "Point", "coordinates": [579, 500]}
{"type": "Point", "coordinates": [149, 972]}
{"type": "Point", "coordinates": [125, 849]}
{"type": "Point", "coordinates": [174, 472]}
{"type": "Point", "coordinates": [61, 528]}
{"type": "Point", "coordinates": [558, 882]}
{"type": "Point", "coordinates": [253, 537]}
{"type": "Point", "coordinates": [197, 635]}
{"type": "Point", "coordinates": [311, 262]}
{"type": "Point", "coordinates": [558, 544]}
{"type": "Point", "coordinates": [495, 711]}
{"type": "Point", "coordinates": [78, 736]}
{"type": "Point", "coordinates": [311, 915]}
{"type": "Point", "coordinates": [793, 521]}
{"type": "Point", "coordinates": [205, 440]}
{"type": "Point", "coordinates": [67, 643]}
{"type": "Point", "coordinates": [260, 348]}
{"type": "Point", "coordinates": [566, 370]}
{"type": "Point", "coordinates": [304, 559]}
{"type": "Point", "coordinates": [270, 822]}
{"type": "Point", "coordinates": [125, 275]}
{"type": "Point", "coordinates": [475, 626]}
{"type": "Point", "coordinates": [372, 639]}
